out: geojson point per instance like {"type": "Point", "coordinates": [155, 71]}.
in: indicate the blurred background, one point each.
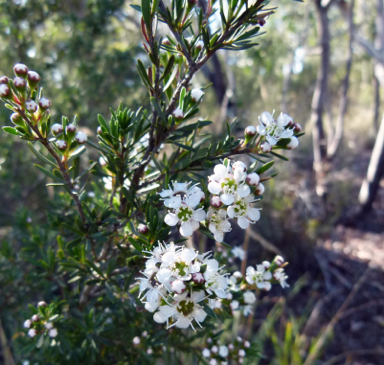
{"type": "Point", "coordinates": [322, 63]}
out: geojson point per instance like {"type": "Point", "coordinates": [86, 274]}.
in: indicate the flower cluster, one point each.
{"type": "Point", "coordinates": [40, 323]}
{"type": "Point", "coordinates": [177, 282]}
{"type": "Point", "coordinates": [217, 354]}
{"type": "Point", "coordinates": [67, 136]}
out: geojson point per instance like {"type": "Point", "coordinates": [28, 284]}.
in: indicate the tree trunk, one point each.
{"type": "Point", "coordinates": [318, 102]}
{"type": "Point", "coordinates": [375, 172]}
{"type": "Point", "coordinates": [376, 92]}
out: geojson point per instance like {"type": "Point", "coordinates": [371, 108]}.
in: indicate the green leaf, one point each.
{"type": "Point", "coordinates": [146, 11]}
{"type": "Point", "coordinates": [135, 244]}
{"type": "Point", "coordinates": [77, 153]}
{"type": "Point", "coordinates": [169, 67]}
{"type": "Point", "coordinates": [49, 174]}
{"type": "Point", "coordinates": [11, 130]}
{"type": "Point", "coordinates": [279, 156]}
{"type": "Point", "coordinates": [171, 78]}
{"type": "Point", "coordinates": [209, 311]}
{"type": "Point", "coordinates": [74, 243]}
{"type": "Point", "coordinates": [143, 73]}
{"type": "Point", "coordinates": [265, 167]}
{"type": "Point", "coordinates": [40, 156]}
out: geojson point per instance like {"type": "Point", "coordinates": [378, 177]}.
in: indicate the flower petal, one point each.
{"type": "Point", "coordinates": [243, 190]}
{"type": "Point", "coordinates": [171, 219]}
{"type": "Point", "coordinates": [199, 215]}
{"type": "Point", "coordinates": [253, 214]}
{"type": "Point", "coordinates": [214, 187]}
{"type": "Point", "coordinates": [227, 199]}
{"type": "Point", "coordinates": [186, 229]}
{"type": "Point", "coordinates": [243, 222]}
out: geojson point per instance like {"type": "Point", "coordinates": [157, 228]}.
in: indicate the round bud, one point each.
{"type": "Point", "coordinates": [260, 189]}
{"type": "Point", "coordinates": [28, 323]}
{"type": "Point", "coordinates": [250, 131]}
{"type": "Point", "coordinates": [35, 318]}
{"type": "Point", "coordinates": [178, 286]}
{"type": "Point", "coordinates": [198, 278]}
{"type": "Point", "coordinates": [102, 161]}
{"type": "Point", "coordinates": [266, 147]}
{"type": "Point", "coordinates": [4, 80]}
{"type": "Point", "coordinates": [142, 228]}
{"type": "Point", "coordinates": [52, 332]}
{"type": "Point", "coordinates": [61, 145]}
{"type": "Point", "coordinates": [5, 91]}
{"type": "Point", "coordinates": [20, 70]}
{"type": "Point", "coordinates": [32, 332]}
{"type": "Point", "coordinates": [136, 340]}
{"type": "Point", "coordinates": [166, 42]}
{"type": "Point", "coordinates": [241, 166]}
{"type": "Point", "coordinates": [178, 113]}
{"type": "Point", "coordinates": [253, 179]}
{"type": "Point", "coordinates": [31, 106]}
{"type": "Point", "coordinates": [44, 103]}
{"type": "Point", "coordinates": [81, 137]}
{"type": "Point", "coordinates": [297, 127]}
{"type": "Point", "coordinates": [279, 260]}
{"type": "Point", "coordinates": [42, 304]}
{"type": "Point", "coordinates": [199, 45]}
{"type": "Point", "coordinates": [262, 22]}
{"type": "Point", "coordinates": [17, 119]}
{"type": "Point", "coordinates": [71, 128]}
{"type": "Point", "coordinates": [293, 144]}
{"type": "Point", "coordinates": [196, 95]}
{"type": "Point", "coordinates": [56, 129]}
{"type": "Point", "coordinates": [99, 130]}
{"type": "Point", "coordinates": [33, 77]}
{"type": "Point", "coordinates": [20, 83]}
{"type": "Point", "coordinates": [216, 202]}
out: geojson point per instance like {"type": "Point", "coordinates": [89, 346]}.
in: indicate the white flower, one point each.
{"type": "Point", "coordinates": [206, 352]}
{"type": "Point", "coordinates": [250, 130]}
{"type": "Point", "coordinates": [44, 103]}
{"type": "Point", "coordinates": [293, 143]}
{"type": "Point", "coordinates": [228, 184]}
{"type": "Point", "coordinates": [215, 349]}
{"type": "Point", "coordinates": [151, 292]}
{"type": "Point", "coordinates": [25, 362]}
{"type": "Point", "coordinates": [196, 95]}
{"type": "Point", "coordinates": [213, 362]}
{"type": "Point", "coordinates": [81, 137]}
{"type": "Point", "coordinates": [56, 128]}
{"type": "Point", "coordinates": [229, 296]}
{"type": "Point", "coordinates": [218, 223]}
{"type": "Point", "coordinates": [243, 211]}
{"type": "Point", "coordinates": [48, 325]}
{"type": "Point", "coordinates": [31, 106]}
{"type": "Point", "coordinates": [4, 90]}
{"type": "Point", "coordinates": [174, 195]}
{"type": "Point", "coordinates": [32, 332]}
{"type": "Point", "coordinates": [274, 130]}
{"type": "Point", "coordinates": [238, 252]}
{"type": "Point", "coordinates": [149, 351]}
{"type": "Point", "coordinates": [234, 304]}
{"type": "Point", "coordinates": [178, 113]}
{"type": "Point", "coordinates": [223, 351]}
{"type": "Point", "coordinates": [247, 345]}
{"type": "Point", "coordinates": [260, 277]}
{"type": "Point", "coordinates": [249, 297]}
{"type": "Point", "coordinates": [28, 323]}
{"type": "Point", "coordinates": [183, 310]}
{"type": "Point", "coordinates": [136, 340]}
{"type": "Point", "coordinates": [242, 353]}
{"type": "Point", "coordinates": [247, 310]}
{"type": "Point", "coordinates": [266, 147]}
{"type": "Point", "coordinates": [215, 282]}
{"type": "Point", "coordinates": [91, 194]}
{"type": "Point", "coordinates": [281, 277]}
{"type": "Point", "coordinates": [52, 332]}
{"type": "Point", "coordinates": [185, 214]}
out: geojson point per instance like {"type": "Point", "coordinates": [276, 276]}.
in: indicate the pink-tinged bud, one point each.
{"type": "Point", "coordinates": [250, 131]}
{"type": "Point", "coordinates": [42, 304]}
{"type": "Point", "coordinates": [28, 323]}
{"type": "Point", "coordinates": [238, 165]}
{"type": "Point", "coordinates": [61, 145]}
{"type": "Point", "coordinates": [142, 228]}
{"type": "Point", "coordinates": [231, 346]}
{"type": "Point", "coordinates": [266, 147]}
{"type": "Point", "coordinates": [198, 278]}
{"type": "Point", "coordinates": [20, 83]}
{"type": "Point", "coordinates": [81, 137]}
{"type": "Point", "coordinates": [44, 103]}
{"type": "Point", "coordinates": [99, 130]}
{"type": "Point", "coordinates": [166, 42]}
{"type": "Point", "coordinates": [35, 318]}
{"type": "Point", "coordinates": [56, 129]}
{"type": "Point", "coordinates": [279, 260]}
{"type": "Point", "coordinates": [260, 189]}
{"type": "Point", "coordinates": [178, 113]}
{"type": "Point", "coordinates": [5, 91]}
{"type": "Point", "coordinates": [216, 202]}
{"type": "Point", "coordinates": [196, 95]}
{"type": "Point", "coordinates": [136, 341]}
{"type": "Point", "coordinates": [32, 332]}
{"type": "Point", "coordinates": [199, 45]}
{"type": "Point", "coordinates": [262, 22]}
{"type": "Point", "coordinates": [297, 127]}
{"type": "Point", "coordinates": [71, 128]}
{"type": "Point", "coordinates": [266, 264]}
{"type": "Point", "coordinates": [178, 286]}
{"type": "Point", "coordinates": [17, 119]}
{"type": "Point", "coordinates": [33, 79]}
{"type": "Point", "coordinates": [4, 80]}
{"type": "Point", "coordinates": [253, 179]}
{"type": "Point", "coordinates": [31, 106]}
{"type": "Point", "coordinates": [20, 70]}
{"type": "Point", "coordinates": [293, 144]}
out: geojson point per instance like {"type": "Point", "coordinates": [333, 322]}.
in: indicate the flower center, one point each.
{"type": "Point", "coordinates": [229, 185]}
{"type": "Point", "coordinates": [240, 208]}
{"type": "Point", "coordinates": [186, 307]}
{"type": "Point", "coordinates": [181, 267]}
{"type": "Point", "coordinates": [274, 130]}
{"type": "Point", "coordinates": [185, 213]}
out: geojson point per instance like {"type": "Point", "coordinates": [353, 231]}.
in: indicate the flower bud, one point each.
{"type": "Point", "coordinates": [33, 79]}
{"type": "Point", "coordinates": [216, 202]}
{"type": "Point", "coordinates": [5, 91]}
{"type": "Point", "coordinates": [279, 260]}
{"type": "Point", "coordinates": [136, 340]}
{"type": "Point", "coordinates": [28, 323]}
{"type": "Point", "coordinates": [32, 332]}
{"type": "Point", "coordinates": [196, 95]}
{"type": "Point", "coordinates": [178, 286]}
{"type": "Point", "coordinates": [81, 137]}
{"type": "Point", "coordinates": [266, 147]}
{"type": "Point", "coordinates": [178, 113]}
{"type": "Point", "coordinates": [20, 70]}
{"type": "Point", "coordinates": [52, 332]}
{"type": "Point", "coordinates": [17, 119]}
{"type": "Point", "coordinates": [4, 80]}
{"type": "Point", "coordinates": [247, 345]}
{"type": "Point", "coordinates": [231, 346]}
{"type": "Point", "coordinates": [297, 127]}
{"type": "Point", "coordinates": [71, 128]}
{"type": "Point", "coordinates": [44, 103]}
{"type": "Point", "coordinates": [35, 318]}
{"type": "Point", "coordinates": [215, 349]}
{"type": "Point", "coordinates": [42, 304]}
{"type": "Point", "coordinates": [99, 130]}
{"type": "Point", "coordinates": [250, 131]}
{"type": "Point", "coordinates": [253, 179]}
{"type": "Point", "coordinates": [206, 353]}
{"type": "Point", "coordinates": [102, 161]}
{"type": "Point", "coordinates": [20, 83]}
{"type": "Point", "coordinates": [56, 129]}
{"type": "Point", "coordinates": [234, 304]}
{"type": "Point", "coordinates": [241, 166]}
{"type": "Point", "coordinates": [199, 45]}
{"type": "Point", "coordinates": [61, 145]}
{"type": "Point", "coordinates": [198, 278]}
{"type": "Point", "coordinates": [31, 106]}
{"type": "Point", "coordinates": [293, 144]}
{"type": "Point", "coordinates": [262, 22]}
{"type": "Point", "coordinates": [166, 42]}
{"type": "Point", "coordinates": [260, 189]}
{"type": "Point", "coordinates": [142, 228]}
